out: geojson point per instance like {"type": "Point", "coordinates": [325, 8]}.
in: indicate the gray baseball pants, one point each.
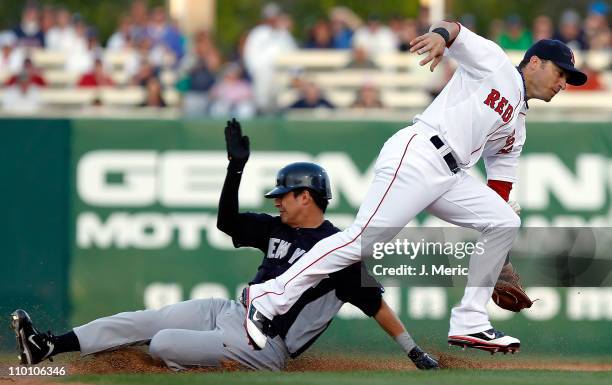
{"type": "Point", "coordinates": [199, 332]}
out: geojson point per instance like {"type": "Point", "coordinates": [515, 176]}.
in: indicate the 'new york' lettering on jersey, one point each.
{"type": "Point", "coordinates": [278, 248]}
{"type": "Point", "coordinates": [282, 245]}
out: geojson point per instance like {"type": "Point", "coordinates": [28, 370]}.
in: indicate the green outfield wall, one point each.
{"type": "Point", "coordinates": [35, 227]}
{"type": "Point", "coordinates": [127, 210]}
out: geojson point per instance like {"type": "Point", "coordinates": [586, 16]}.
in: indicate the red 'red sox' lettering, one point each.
{"type": "Point", "coordinates": [491, 101]}
{"type": "Point", "coordinates": [492, 98]}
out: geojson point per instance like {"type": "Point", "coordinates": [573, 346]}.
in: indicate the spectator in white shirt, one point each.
{"type": "Point", "coordinates": [62, 37]}
{"type": "Point", "coordinates": [81, 61]}
{"type": "Point", "coordinates": [11, 56]}
{"type": "Point", "coordinates": [375, 38]}
{"type": "Point", "coordinates": [121, 39]}
{"type": "Point", "coordinates": [80, 33]}
{"type": "Point", "coordinates": [264, 45]}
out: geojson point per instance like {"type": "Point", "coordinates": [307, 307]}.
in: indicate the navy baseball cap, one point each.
{"type": "Point", "coordinates": [560, 54]}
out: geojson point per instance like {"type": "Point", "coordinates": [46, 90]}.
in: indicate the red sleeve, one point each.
{"type": "Point", "coordinates": [87, 81]}
{"type": "Point", "coordinates": [39, 80]}
{"type": "Point", "coordinates": [501, 187]}
{"type": "Point", "coordinates": [12, 80]}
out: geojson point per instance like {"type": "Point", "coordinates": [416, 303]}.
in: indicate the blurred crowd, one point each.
{"type": "Point", "coordinates": [242, 83]}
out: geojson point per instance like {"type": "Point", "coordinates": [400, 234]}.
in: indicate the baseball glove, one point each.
{"type": "Point", "coordinates": [509, 293]}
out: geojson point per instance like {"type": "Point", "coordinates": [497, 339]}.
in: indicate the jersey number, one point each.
{"type": "Point", "coordinates": [509, 144]}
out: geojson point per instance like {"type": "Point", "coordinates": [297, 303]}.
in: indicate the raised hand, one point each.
{"type": "Point", "coordinates": [238, 145]}
{"type": "Point", "coordinates": [431, 43]}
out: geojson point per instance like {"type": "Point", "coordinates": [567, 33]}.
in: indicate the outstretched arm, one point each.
{"type": "Point", "coordinates": [440, 35]}
{"type": "Point", "coordinates": [238, 152]}
{"type": "Point", "coordinates": [387, 320]}
{"type": "Point", "coordinates": [228, 213]}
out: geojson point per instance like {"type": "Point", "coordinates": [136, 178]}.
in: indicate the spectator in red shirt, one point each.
{"type": "Point", "coordinates": [97, 77]}
{"type": "Point", "coordinates": [33, 74]}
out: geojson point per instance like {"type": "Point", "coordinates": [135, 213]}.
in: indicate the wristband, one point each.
{"type": "Point", "coordinates": [442, 32]}
{"type": "Point", "coordinates": [236, 167]}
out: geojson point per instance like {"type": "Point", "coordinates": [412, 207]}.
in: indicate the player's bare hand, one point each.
{"type": "Point", "coordinates": [238, 145]}
{"type": "Point", "coordinates": [431, 43]}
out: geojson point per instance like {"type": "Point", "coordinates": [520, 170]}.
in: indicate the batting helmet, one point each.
{"type": "Point", "coordinates": [301, 175]}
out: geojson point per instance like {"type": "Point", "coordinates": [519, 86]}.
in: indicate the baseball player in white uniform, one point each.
{"type": "Point", "coordinates": [480, 113]}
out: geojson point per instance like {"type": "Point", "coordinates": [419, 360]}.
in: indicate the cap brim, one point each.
{"type": "Point", "coordinates": [277, 192]}
{"type": "Point", "coordinates": [575, 77]}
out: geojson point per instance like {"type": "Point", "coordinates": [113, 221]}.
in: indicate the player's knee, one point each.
{"type": "Point", "coordinates": [161, 346]}
{"type": "Point", "coordinates": [508, 222]}
{"type": "Point", "coordinates": [517, 221]}
{"type": "Point", "coordinates": [508, 219]}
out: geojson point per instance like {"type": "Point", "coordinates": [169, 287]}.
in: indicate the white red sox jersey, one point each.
{"type": "Point", "coordinates": [481, 111]}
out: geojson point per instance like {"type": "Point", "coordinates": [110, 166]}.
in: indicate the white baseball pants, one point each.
{"type": "Point", "coordinates": [410, 176]}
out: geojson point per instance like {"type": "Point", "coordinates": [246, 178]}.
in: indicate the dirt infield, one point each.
{"type": "Point", "coordinates": [135, 360]}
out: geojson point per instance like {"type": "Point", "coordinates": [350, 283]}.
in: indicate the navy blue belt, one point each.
{"type": "Point", "coordinates": [450, 160]}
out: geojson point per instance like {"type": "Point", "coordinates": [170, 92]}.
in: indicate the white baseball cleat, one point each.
{"type": "Point", "coordinates": [256, 324]}
{"type": "Point", "coordinates": [490, 340]}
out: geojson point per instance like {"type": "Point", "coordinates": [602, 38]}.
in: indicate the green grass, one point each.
{"type": "Point", "coordinates": [447, 377]}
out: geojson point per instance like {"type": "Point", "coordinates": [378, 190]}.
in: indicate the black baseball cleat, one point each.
{"type": "Point", "coordinates": [256, 324]}
{"type": "Point", "coordinates": [423, 360]}
{"type": "Point", "coordinates": [34, 346]}
{"type": "Point", "coordinates": [490, 340]}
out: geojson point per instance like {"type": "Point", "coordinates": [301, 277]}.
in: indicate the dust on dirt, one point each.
{"type": "Point", "coordinates": [484, 361]}
{"type": "Point", "coordinates": [137, 360]}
